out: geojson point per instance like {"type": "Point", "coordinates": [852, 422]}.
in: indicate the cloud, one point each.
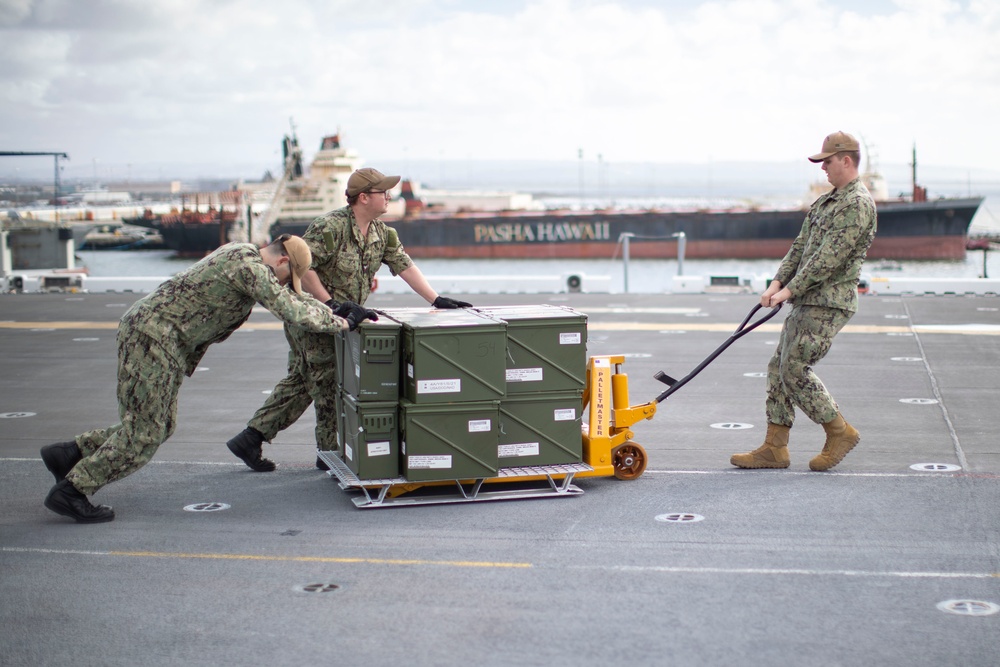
{"type": "Point", "coordinates": [216, 81]}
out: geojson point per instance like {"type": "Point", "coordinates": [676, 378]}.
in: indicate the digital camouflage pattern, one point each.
{"type": "Point", "coordinates": [821, 270]}
{"type": "Point", "coordinates": [149, 380]}
{"type": "Point", "coordinates": [346, 263]}
{"type": "Point", "coordinates": [311, 378]}
{"type": "Point", "coordinates": [163, 337]}
{"type": "Point", "coordinates": [806, 337]}
{"type": "Point", "coordinates": [213, 298]}
{"type": "Point", "coordinates": [823, 265]}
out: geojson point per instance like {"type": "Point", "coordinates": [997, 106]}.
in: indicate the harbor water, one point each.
{"type": "Point", "coordinates": [651, 276]}
{"type": "Point", "coordinates": [644, 275]}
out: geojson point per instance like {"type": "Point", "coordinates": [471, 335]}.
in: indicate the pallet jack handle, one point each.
{"type": "Point", "coordinates": [742, 330]}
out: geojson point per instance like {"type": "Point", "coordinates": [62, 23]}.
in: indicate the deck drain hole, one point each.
{"type": "Point", "coordinates": [732, 426]}
{"type": "Point", "coordinates": [679, 517]}
{"type": "Point", "coordinates": [15, 415]}
{"type": "Point", "coordinates": [317, 588]}
{"type": "Point", "coordinates": [969, 607]}
{"type": "Point", "coordinates": [85, 340]}
{"type": "Point", "coordinates": [935, 467]}
{"type": "Point", "coordinates": [206, 507]}
{"type": "Point", "coordinates": [906, 358]}
{"type": "Point", "coordinates": [757, 374]}
{"type": "Point", "coordinates": [919, 401]}
{"type": "Point", "coordinates": [291, 532]}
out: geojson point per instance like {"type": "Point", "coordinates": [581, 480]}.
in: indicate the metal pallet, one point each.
{"type": "Point", "coordinates": [375, 491]}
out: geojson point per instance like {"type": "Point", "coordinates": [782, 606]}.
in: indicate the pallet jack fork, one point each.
{"type": "Point", "coordinates": [608, 448]}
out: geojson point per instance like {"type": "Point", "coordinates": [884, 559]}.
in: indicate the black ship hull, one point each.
{"type": "Point", "coordinates": [906, 231]}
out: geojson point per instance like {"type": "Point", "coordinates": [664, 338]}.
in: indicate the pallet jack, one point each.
{"type": "Point", "coordinates": [608, 448]}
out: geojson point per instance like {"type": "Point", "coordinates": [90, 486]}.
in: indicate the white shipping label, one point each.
{"type": "Point", "coordinates": [570, 338]}
{"type": "Point", "coordinates": [518, 449]}
{"type": "Point", "coordinates": [429, 462]}
{"type": "Point", "coordinates": [564, 415]}
{"type": "Point", "coordinates": [409, 370]}
{"type": "Point", "coordinates": [479, 425]}
{"type": "Point", "coordinates": [348, 452]}
{"type": "Point", "coordinates": [439, 386]}
{"type": "Point", "coordinates": [524, 375]}
{"type": "Point", "coordinates": [380, 448]}
{"type": "Point", "coordinates": [357, 370]}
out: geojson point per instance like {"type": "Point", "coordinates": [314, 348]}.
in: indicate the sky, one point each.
{"type": "Point", "coordinates": [133, 88]}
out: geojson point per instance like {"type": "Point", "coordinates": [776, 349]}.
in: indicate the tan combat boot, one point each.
{"type": "Point", "coordinates": [840, 439]}
{"type": "Point", "coordinates": [772, 454]}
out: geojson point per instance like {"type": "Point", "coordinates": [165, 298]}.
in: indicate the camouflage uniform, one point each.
{"type": "Point", "coordinates": [821, 270]}
{"type": "Point", "coordinates": [346, 263]}
{"type": "Point", "coordinates": [163, 337]}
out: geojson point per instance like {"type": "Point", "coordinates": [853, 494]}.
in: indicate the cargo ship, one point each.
{"type": "Point", "coordinates": [200, 229]}
{"type": "Point", "coordinates": [915, 228]}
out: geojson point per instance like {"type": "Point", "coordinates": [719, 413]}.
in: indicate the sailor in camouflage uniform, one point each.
{"type": "Point", "coordinates": [819, 276]}
{"type": "Point", "coordinates": [162, 338]}
{"type": "Point", "coordinates": [348, 245]}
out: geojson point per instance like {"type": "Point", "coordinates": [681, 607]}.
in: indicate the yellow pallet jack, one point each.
{"type": "Point", "coordinates": [608, 448]}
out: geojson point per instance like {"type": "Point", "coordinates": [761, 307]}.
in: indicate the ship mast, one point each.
{"type": "Point", "coordinates": [919, 193]}
{"type": "Point", "coordinates": [292, 170]}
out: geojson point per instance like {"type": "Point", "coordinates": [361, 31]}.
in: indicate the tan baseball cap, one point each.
{"type": "Point", "coordinates": [368, 179]}
{"type": "Point", "coordinates": [838, 142]}
{"type": "Point", "coordinates": [299, 259]}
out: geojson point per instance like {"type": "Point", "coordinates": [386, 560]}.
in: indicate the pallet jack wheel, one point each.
{"type": "Point", "coordinates": [629, 460]}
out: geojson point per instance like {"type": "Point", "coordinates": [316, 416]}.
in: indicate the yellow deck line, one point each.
{"type": "Point", "coordinates": [954, 329]}
{"type": "Point", "coordinates": [275, 559]}
{"type": "Point", "coordinates": [661, 569]}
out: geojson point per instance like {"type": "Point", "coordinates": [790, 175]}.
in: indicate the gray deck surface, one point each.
{"type": "Point", "coordinates": [786, 568]}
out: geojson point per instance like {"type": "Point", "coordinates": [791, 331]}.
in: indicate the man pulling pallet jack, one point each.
{"type": "Point", "coordinates": [819, 276]}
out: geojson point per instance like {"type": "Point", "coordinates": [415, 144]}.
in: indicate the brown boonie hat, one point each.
{"type": "Point", "coordinates": [838, 142]}
{"type": "Point", "coordinates": [299, 259]}
{"type": "Point", "coordinates": [368, 179]}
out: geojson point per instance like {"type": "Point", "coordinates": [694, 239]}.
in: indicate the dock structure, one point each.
{"type": "Point", "coordinates": [890, 558]}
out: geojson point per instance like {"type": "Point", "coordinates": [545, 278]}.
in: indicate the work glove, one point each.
{"type": "Point", "coordinates": [343, 309]}
{"type": "Point", "coordinates": [355, 314]}
{"type": "Point", "coordinates": [445, 302]}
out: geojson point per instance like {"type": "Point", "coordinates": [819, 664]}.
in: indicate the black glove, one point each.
{"type": "Point", "coordinates": [355, 314]}
{"type": "Point", "coordinates": [445, 302]}
{"type": "Point", "coordinates": [347, 307]}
